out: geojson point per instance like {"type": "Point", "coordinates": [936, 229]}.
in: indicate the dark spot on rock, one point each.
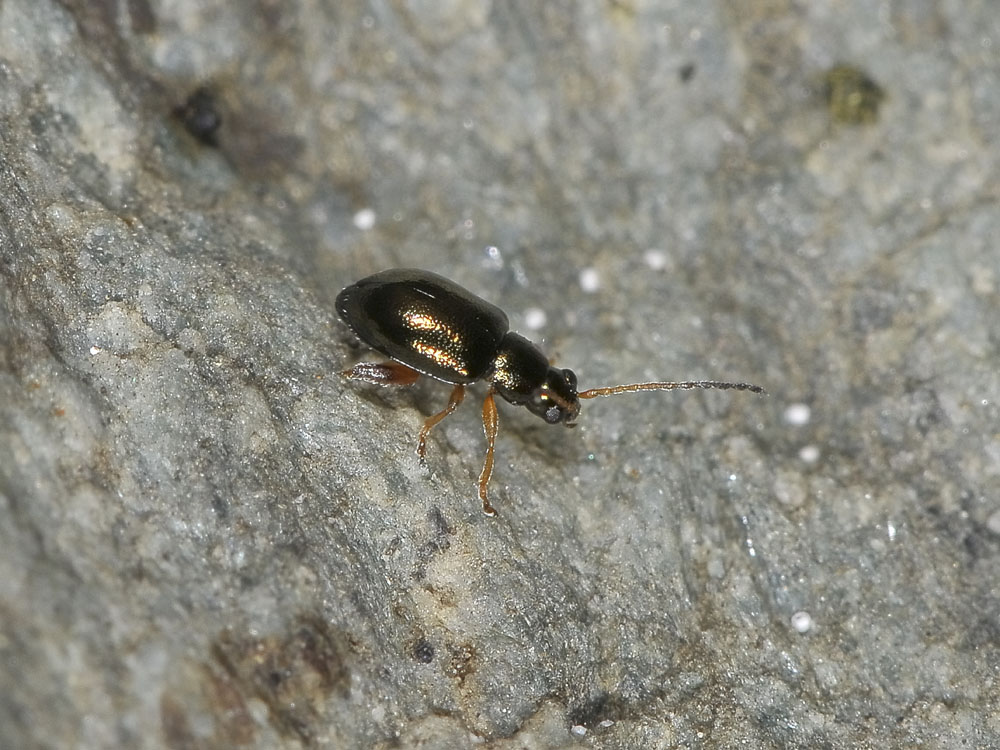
{"type": "Point", "coordinates": [592, 711]}
{"type": "Point", "coordinates": [423, 651]}
{"type": "Point", "coordinates": [142, 19]}
{"type": "Point", "coordinates": [200, 116]}
{"type": "Point", "coordinates": [293, 673]}
{"type": "Point", "coordinates": [462, 662]}
{"type": "Point", "coordinates": [852, 97]}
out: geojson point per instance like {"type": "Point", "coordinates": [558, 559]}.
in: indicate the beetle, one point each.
{"type": "Point", "coordinates": [428, 325]}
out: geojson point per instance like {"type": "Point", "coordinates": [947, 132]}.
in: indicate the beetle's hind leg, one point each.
{"type": "Point", "coordinates": [382, 373]}
{"type": "Point", "coordinates": [457, 394]}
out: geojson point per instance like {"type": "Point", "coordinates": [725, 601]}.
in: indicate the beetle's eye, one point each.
{"type": "Point", "coordinates": [553, 415]}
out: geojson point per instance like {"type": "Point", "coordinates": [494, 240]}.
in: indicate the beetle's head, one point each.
{"type": "Point", "coordinates": [555, 399]}
{"type": "Point", "coordinates": [522, 375]}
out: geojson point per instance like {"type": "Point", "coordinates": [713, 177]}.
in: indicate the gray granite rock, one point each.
{"type": "Point", "coordinates": [208, 539]}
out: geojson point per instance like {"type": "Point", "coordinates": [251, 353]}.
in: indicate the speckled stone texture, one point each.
{"type": "Point", "coordinates": [209, 540]}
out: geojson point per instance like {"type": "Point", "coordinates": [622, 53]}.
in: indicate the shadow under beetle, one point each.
{"type": "Point", "coordinates": [429, 325]}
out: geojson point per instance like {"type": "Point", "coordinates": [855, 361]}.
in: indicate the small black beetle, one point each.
{"type": "Point", "coordinates": [432, 326]}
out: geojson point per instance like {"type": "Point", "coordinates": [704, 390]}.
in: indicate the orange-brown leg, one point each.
{"type": "Point", "coordinates": [382, 373]}
{"type": "Point", "coordinates": [491, 425]}
{"type": "Point", "coordinates": [457, 394]}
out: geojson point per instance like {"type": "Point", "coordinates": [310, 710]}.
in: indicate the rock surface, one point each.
{"type": "Point", "coordinates": [209, 540]}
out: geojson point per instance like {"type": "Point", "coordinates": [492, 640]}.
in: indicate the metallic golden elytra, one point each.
{"type": "Point", "coordinates": [429, 325]}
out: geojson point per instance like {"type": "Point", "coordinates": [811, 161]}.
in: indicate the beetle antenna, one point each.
{"type": "Point", "coordinates": [612, 390]}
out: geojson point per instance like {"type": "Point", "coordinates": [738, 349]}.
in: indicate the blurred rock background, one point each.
{"type": "Point", "coordinates": [208, 540]}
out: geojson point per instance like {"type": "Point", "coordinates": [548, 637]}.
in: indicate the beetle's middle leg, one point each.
{"type": "Point", "coordinates": [457, 394]}
{"type": "Point", "coordinates": [491, 425]}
